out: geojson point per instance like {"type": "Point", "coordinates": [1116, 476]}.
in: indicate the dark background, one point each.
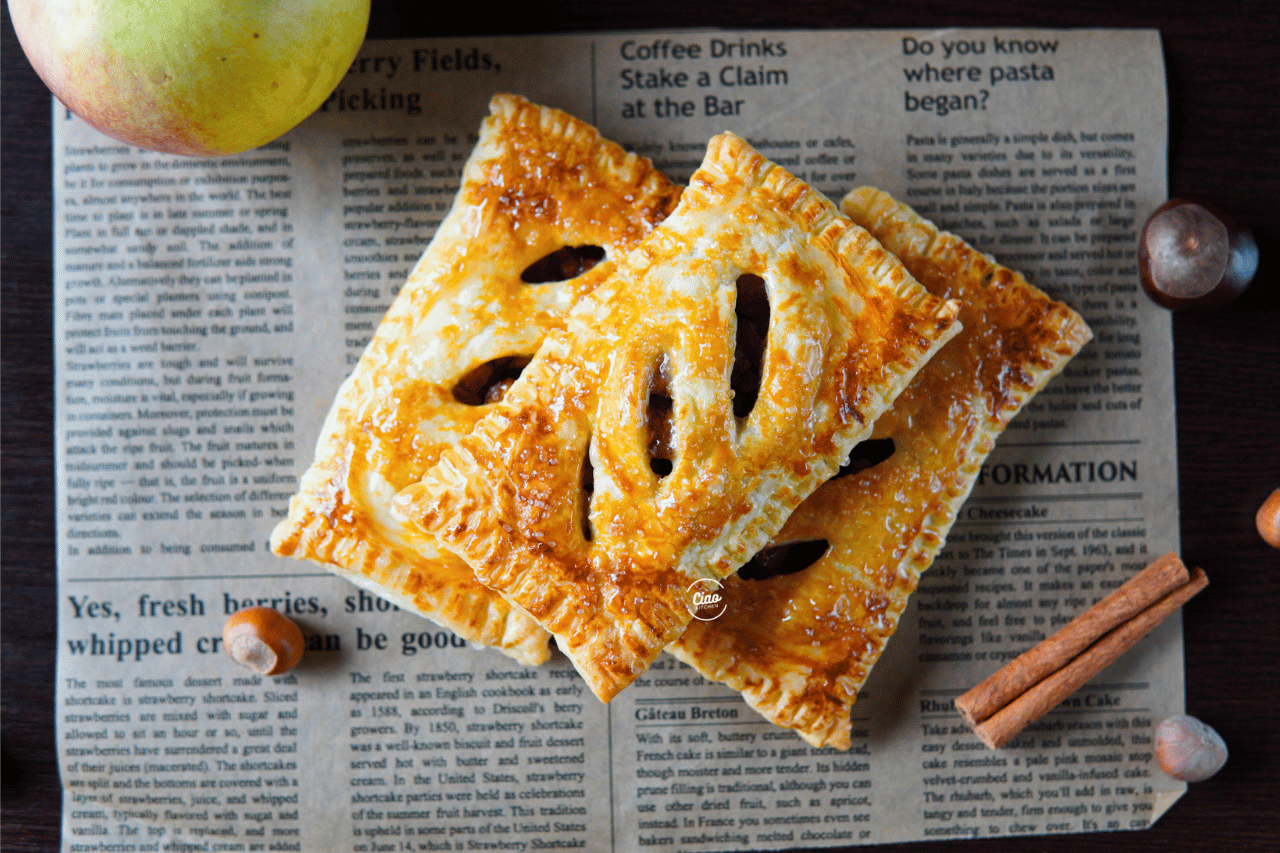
{"type": "Point", "coordinates": [1224, 145]}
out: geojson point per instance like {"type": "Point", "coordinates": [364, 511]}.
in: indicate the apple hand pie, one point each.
{"type": "Point", "coordinates": [799, 645]}
{"type": "Point", "coordinates": [694, 400]}
{"type": "Point", "coordinates": [542, 198]}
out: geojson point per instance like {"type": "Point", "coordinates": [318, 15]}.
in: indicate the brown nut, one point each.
{"type": "Point", "coordinates": [1268, 520]}
{"type": "Point", "coordinates": [1188, 750]}
{"type": "Point", "coordinates": [264, 640]}
{"type": "Point", "coordinates": [1193, 254]}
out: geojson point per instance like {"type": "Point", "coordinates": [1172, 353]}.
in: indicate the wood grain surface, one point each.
{"type": "Point", "coordinates": [1224, 145]}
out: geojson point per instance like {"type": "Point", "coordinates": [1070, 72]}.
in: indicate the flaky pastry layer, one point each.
{"type": "Point", "coordinates": [538, 181]}
{"type": "Point", "coordinates": [800, 646]}
{"type": "Point", "coordinates": [553, 499]}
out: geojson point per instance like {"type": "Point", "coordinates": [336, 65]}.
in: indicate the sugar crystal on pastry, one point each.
{"type": "Point", "coordinates": [558, 499]}
{"type": "Point", "coordinates": [800, 645]}
{"type": "Point", "coordinates": [542, 199]}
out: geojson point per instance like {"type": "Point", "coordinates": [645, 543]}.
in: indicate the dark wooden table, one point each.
{"type": "Point", "coordinates": [1224, 144]}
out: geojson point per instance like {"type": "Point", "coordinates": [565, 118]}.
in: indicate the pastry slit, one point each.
{"type": "Point", "coordinates": [489, 382]}
{"type": "Point", "coordinates": [563, 264]}
{"type": "Point", "coordinates": [586, 489]}
{"type": "Point", "coordinates": [658, 419]}
{"type": "Point", "coordinates": [783, 559]}
{"type": "Point", "coordinates": [751, 308]}
{"type": "Point", "coordinates": [866, 454]}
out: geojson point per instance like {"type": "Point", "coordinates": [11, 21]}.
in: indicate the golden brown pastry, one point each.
{"type": "Point", "coordinates": [504, 266]}
{"type": "Point", "coordinates": [634, 457]}
{"type": "Point", "coordinates": [799, 646]}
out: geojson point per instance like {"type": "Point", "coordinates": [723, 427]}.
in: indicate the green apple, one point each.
{"type": "Point", "coordinates": [195, 77]}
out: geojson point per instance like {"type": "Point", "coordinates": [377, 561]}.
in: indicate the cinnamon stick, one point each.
{"type": "Point", "coordinates": [1132, 597]}
{"type": "Point", "coordinates": [1003, 726]}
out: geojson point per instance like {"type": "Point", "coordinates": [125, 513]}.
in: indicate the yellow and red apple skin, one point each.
{"type": "Point", "coordinates": [194, 77]}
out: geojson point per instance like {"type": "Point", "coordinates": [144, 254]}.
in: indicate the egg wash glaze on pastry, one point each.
{"type": "Point", "coordinates": [538, 181]}
{"type": "Point", "coordinates": [606, 569]}
{"type": "Point", "coordinates": [800, 646]}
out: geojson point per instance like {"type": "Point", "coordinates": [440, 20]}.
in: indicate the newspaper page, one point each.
{"type": "Point", "coordinates": [207, 310]}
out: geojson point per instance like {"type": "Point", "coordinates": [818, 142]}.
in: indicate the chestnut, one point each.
{"type": "Point", "coordinates": [1268, 520]}
{"type": "Point", "coordinates": [1192, 254]}
{"type": "Point", "coordinates": [262, 639]}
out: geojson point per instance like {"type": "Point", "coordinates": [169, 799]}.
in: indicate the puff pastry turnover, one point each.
{"type": "Point", "coordinates": [799, 646]}
{"type": "Point", "coordinates": [562, 501]}
{"type": "Point", "coordinates": [538, 185]}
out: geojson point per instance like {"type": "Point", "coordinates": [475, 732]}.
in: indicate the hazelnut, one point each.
{"type": "Point", "coordinates": [1268, 520]}
{"type": "Point", "coordinates": [1188, 750]}
{"type": "Point", "coordinates": [264, 640]}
